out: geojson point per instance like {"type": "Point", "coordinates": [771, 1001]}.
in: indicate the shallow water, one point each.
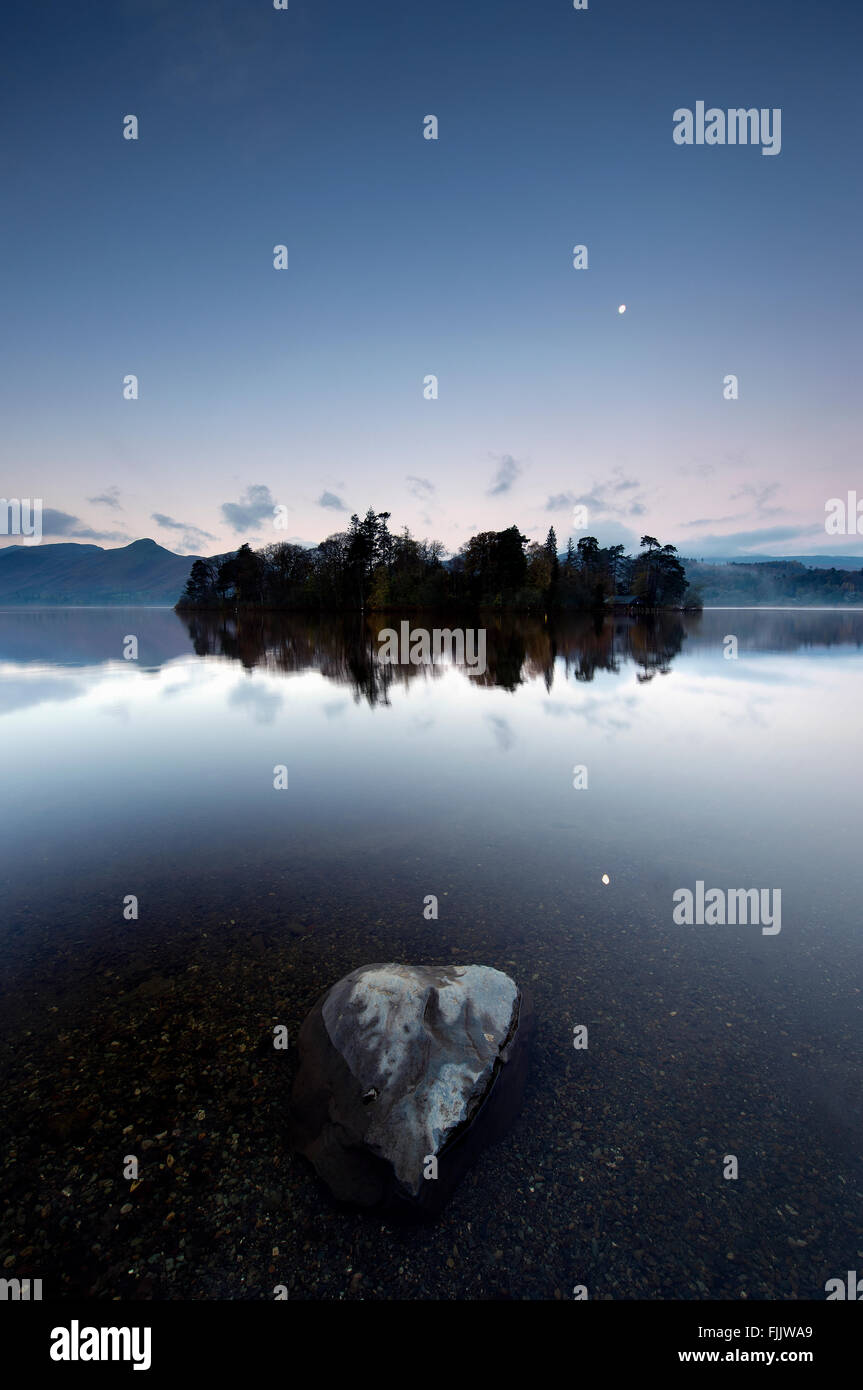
{"type": "Point", "coordinates": [154, 778]}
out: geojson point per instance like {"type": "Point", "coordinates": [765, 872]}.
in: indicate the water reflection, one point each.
{"type": "Point", "coordinates": [347, 649]}
{"type": "Point", "coordinates": [156, 778]}
{"type": "Point", "coordinates": [518, 649]}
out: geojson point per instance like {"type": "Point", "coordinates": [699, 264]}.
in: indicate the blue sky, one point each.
{"type": "Point", "coordinates": [409, 257]}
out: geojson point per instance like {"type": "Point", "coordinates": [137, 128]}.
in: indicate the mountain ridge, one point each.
{"type": "Point", "coordinates": [76, 573]}
{"type": "Point", "coordinates": [145, 573]}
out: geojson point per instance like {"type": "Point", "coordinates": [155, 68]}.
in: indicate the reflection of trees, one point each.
{"type": "Point", "coordinates": [344, 648]}
{"type": "Point", "coordinates": [654, 641]}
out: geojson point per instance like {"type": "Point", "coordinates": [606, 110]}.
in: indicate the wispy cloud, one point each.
{"type": "Point", "coordinates": [736, 544]}
{"type": "Point", "coordinates": [109, 498]}
{"type": "Point", "coordinates": [760, 495]}
{"type": "Point", "coordinates": [192, 536]}
{"type": "Point", "coordinates": [257, 504]}
{"type": "Point", "coordinates": [57, 523]}
{"type": "Point", "coordinates": [760, 511]}
{"type": "Point", "coordinates": [189, 527]}
{"type": "Point", "coordinates": [601, 500]}
{"type": "Point", "coordinates": [329, 499]}
{"type": "Point", "coordinates": [419, 487]}
{"type": "Point", "coordinates": [508, 470]}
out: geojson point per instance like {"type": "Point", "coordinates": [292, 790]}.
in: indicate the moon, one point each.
{"type": "Point", "coordinates": [621, 308]}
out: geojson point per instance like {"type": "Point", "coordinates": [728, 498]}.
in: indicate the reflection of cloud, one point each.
{"type": "Point", "coordinates": [23, 694]}
{"type": "Point", "coordinates": [593, 710]}
{"type": "Point", "coordinates": [718, 669]}
{"type": "Point", "coordinates": [750, 709]}
{"type": "Point", "coordinates": [502, 732]}
{"type": "Point", "coordinates": [335, 707]}
{"type": "Point", "coordinates": [119, 710]}
{"type": "Point", "coordinates": [263, 702]}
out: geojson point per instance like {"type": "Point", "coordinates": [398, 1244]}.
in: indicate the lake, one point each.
{"type": "Point", "coordinates": [645, 753]}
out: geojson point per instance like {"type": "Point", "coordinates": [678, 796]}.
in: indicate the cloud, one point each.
{"type": "Point", "coordinates": [607, 533]}
{"type": "Point", "coordinates": [737, 543]}
{"type": "Point", "coordinates": [760, 496]}
{"type": "Point", "coordinates": [170, 524]}
{"type": "Point", "coordinates": [508, 470]}
{"type": "Point", "coordinates": [329, 499]}
{"type": "Point", "coordinates": [56, 523]}
{"type": "Point", "coordinates": [256, 505]}
{"type": "Point", "coordinates": [419, 487]}
{"type": "Point", "coordinates": [108, 498]}
{"type": "Point", "coordinates": [598, 501]}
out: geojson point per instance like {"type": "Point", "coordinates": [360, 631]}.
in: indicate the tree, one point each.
{"type": "Point", "coordinates": [588, 564]}
{"type": "Point", "coordinates": [368, 565]}
{"type": "Point", "coordinates": [201, 584]}
{"type": "Point", "coordinates": [616, 566]}
{"type": "Point", "coordinates": [248, 575]}
{"type": "Point", "coordinates": [538, 568]}
{"type": "Point", "coordinates": [369, 543]}
{"type": "Point", "coordinates": [658, 575]}
{"type": "Point", "coordinates": [554, 562]}
{"type": "Point", "coordinates": [510, 559]}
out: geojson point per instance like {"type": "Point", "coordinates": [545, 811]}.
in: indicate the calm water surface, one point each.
{"type": "Point", "coordinates": [155, 778]}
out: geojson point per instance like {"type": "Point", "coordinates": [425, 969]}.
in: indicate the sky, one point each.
{"type": "Point", "coordinates": [409, 257]}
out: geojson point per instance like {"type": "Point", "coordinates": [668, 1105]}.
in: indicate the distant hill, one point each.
{"type": "Point", "coordinates": [770, 582]}
{"type": "Point", "coordinates": [146, 573]}
{"type": "Point", "coordinates": [71, 573]}
{"type": "Point", "coordinates": [817, 562]}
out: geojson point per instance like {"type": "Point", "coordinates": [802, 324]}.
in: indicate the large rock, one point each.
{"type": "Point", "coordinates": [399, 1063]}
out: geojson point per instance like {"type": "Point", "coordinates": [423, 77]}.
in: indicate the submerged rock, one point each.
{"type": "Point", "coordinates": [403, 1064]}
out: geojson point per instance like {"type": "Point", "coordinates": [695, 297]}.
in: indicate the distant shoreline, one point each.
{"type": "Point", "coordinates": [43, 607]}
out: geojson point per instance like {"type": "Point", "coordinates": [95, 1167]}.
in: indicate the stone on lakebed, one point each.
{"type": "Point", "coordinates": [400, 1063]}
